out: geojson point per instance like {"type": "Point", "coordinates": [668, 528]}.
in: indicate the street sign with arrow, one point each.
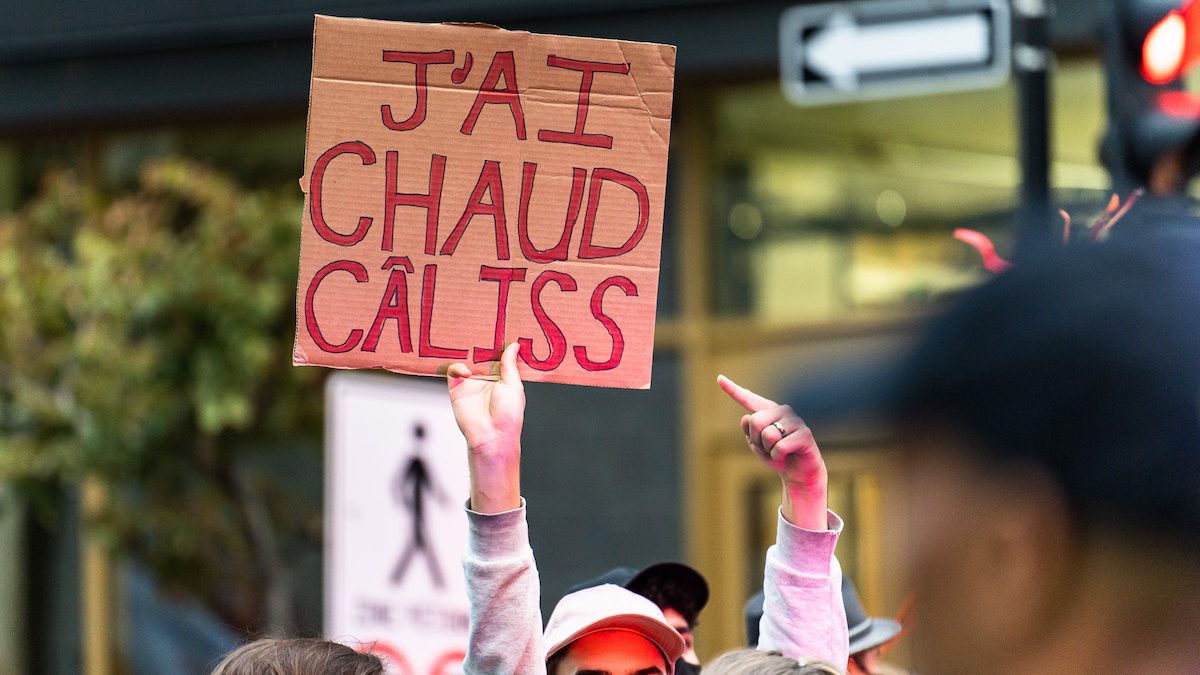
{"type": "Point", "coordinates": [877, 49]}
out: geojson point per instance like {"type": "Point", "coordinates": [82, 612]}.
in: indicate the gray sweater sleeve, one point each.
{"type": "Point", "coordinates": [803, 615]}
{"type": "Point", "coordinates": [504, 591]}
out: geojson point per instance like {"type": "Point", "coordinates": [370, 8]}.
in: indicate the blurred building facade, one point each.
{"type": "Point", "coordinates": [795, 239]}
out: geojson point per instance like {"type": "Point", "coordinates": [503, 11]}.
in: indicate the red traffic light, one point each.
{"type": "Point", "coordinates": [1163, 49]}
{"type": "Point", "coordinates": [1172, 46]}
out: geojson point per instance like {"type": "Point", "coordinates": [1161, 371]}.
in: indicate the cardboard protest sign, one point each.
{"type": "Point", "coordinates": [468, 187]}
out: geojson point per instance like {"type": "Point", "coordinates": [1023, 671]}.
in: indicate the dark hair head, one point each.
{"type": "Point", "coordinates": [298, 656]}
{"type": "Point", "coordinates": [667, 592]}
{"type": "Point", "coordinates": [672, 585]}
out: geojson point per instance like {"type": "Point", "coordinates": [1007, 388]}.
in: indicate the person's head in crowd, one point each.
{"type": "Point", "coordinates": [1051, 423]}
{"type": "Point", "coordinates": [608, 629]}
{"type": "Point", "coordinates": [677, 589]}
{"type": "Point", "coordinates": [680, 592]}
{"type": "Point", "coordinates": [298, 656]}
{"type": "Point", "coordinates": [868, 634]}
{"type": "Point", "coordinates": [754, 662]}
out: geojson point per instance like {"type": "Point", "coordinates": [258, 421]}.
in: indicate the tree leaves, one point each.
{"type": "Point", "coordinates": [145, 339]}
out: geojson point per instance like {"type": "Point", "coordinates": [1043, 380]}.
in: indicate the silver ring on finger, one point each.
{"type": "Point", "coordinates": [779, 427]}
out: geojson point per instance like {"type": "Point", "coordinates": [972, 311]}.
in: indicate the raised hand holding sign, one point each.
{"type": "Point", "coordinates": [490, 415]}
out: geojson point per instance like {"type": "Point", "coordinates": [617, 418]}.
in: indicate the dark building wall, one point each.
{"type": "Point", "coordinates": [86, 65]}
{"type": "Point", "coordinates": [601, 473]}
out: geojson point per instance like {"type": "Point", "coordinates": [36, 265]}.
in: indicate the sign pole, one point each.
{"type": "Point", "coordinates": [1031, 61]}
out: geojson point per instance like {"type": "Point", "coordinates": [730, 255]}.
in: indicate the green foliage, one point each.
{"type": "Point", "coordinates": [146, 341]}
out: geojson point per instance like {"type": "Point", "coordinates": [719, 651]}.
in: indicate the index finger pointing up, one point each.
{"type": "Point", "coordinates": [746, 398]}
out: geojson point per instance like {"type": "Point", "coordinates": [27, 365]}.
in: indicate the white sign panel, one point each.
{"type": "Point", "coordinates": [396, 484]}
{"type": "Point", "coordinates": [876, 49]}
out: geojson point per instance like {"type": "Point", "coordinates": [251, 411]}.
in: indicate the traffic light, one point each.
{"type": "Point", "coordinates": [1169, 46]}
{"type": "Point", "coordinates": [1154, 126]}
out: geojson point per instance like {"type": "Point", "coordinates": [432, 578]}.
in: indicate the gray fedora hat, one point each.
{"type": "Point", "coordinates": [866, 632]}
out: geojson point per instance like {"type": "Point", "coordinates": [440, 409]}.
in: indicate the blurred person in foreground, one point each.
{"type": "Point", "coordinates": [609, 629]}
{"type": "Point", "coordinates": [298, 656]}
{"type": "Point", "coordinates": [1051, 425]}
{"type": "Point", "coordinates": [677, 589]}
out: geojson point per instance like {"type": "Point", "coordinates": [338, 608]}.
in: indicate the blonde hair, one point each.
{"type": "Point", "coordinates": [297, 656]}
{"type": "Point", "coordinates": [754, 662]}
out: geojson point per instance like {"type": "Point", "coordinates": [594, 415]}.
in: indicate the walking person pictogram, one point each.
{"type": "Point", "coordinates": [413, 482]}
